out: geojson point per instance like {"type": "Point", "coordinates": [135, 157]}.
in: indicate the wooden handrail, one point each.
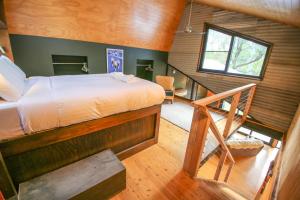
{"type": "Point", "coordinates": [223, 95]}
{"type": "Point", "coordinates": [202, 121]}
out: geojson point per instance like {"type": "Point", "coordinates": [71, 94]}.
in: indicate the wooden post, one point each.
{"type": "Point", "coordinates": [220, 139]}
{"type": "Point", "coordinates": [248, 103]}
{"type": "Point", "coordinates": [228, 172]}
{"type": "Point", "coordinates": [230, 117]}
{"type": "Point", "coordinates": [196, 142]}
{"type": "Point", "coordinates": [220, 164]}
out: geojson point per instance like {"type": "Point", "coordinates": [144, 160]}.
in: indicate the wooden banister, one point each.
{"type": "Point", "coordinates": [202, 121]}
{"type": "Point", "coordinates": [196, 142]}
{"type": "Point", "coordinates": [223, 95]}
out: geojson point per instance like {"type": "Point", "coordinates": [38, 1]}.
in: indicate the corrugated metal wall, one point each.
{"type": "Point", "coordinates": [278, 94]}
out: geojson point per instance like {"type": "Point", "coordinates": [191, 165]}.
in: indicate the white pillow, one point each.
{"type": "Point", "coordinates": [17, 69]}
{"type": "Point", "coordinates": [12, 80]}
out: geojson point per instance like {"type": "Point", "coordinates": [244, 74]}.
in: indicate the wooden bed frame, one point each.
{"type": "Point", "coordinates": [125, 133]}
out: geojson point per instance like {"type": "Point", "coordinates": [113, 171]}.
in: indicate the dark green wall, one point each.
{"type": "Point", "coordinates": [33, 55]}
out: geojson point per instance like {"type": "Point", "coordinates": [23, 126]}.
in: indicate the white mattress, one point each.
{"type": "Point", "coordinates": [10, 123]}
{"type": "Point", "coordinates": [51, 102]}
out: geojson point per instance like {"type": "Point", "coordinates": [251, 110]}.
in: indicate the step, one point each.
{"type": "Point", "coordinates": [99, 176]}
{"type": "Point", "coordinates": [221, 190]}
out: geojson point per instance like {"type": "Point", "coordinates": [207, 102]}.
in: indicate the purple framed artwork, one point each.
{"type": "Point", "coordinates": [115, 60]}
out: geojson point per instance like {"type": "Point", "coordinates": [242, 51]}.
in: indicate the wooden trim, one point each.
{"type": "Point", "coordinates": [157, 125]}
{"type": "Point", "coordinates": [135, 149]}
{"type": "Point", "coordinates": [223, 95]}
{"type": "Point", "coordinates": [196, 141]}
{"type": "Point", "coordinates": [37, 140]}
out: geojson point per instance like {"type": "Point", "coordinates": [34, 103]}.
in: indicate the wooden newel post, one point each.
{"type": "Point", "coordinates": [230, 117]}
{"type": "Point", "coordinates": [248, 103]}
{"type": "Point", "coordinates": [196, 142]}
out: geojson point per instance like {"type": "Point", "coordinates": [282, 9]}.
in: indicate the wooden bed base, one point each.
{"type": "Point", "coordinates": [125, 133]}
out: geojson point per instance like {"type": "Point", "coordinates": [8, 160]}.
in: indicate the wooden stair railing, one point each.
{"type": "Point", "coordinates": [241, 99]}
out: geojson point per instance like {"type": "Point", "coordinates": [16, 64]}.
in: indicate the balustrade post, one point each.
{"type": "Point", "coordinates": [248, 103]}
{"type": "Point", "coordinates": [220, 164]}
{"type": "Point", "coordinates": [230, 116]}
{"type": "Point", "coordinates": [196, 142]}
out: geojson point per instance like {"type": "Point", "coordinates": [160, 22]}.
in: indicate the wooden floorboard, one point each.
{"type": "Point", "coordinates": [248, 173]}
{"type": "Point", "coordinates": [155, 173]}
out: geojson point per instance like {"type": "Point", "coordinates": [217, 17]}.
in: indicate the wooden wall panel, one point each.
{"type": "Point", "coordinates": [285, 11]}
{"type": "Point", "coordinates": [4, 37]}
{"type": "Point", "coordinates": [135, 23]}
{"type": "Point", "coordinates": [278, 94]}
{"type": "Point", "coordinates": [289, 174]}
{"type": "Point", "coordinates": [5, 42]}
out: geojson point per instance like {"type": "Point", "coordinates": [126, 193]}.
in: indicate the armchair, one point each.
{"type": "Point", "coordinates": [167, 82]}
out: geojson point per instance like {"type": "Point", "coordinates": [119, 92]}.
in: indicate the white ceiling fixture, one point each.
{"type": "Point", "coordinates": [188, 29]}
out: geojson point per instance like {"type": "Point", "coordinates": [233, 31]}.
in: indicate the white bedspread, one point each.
{"type": "Point", "coordinates": [10, 124]}
{"type": "Point", "coordinates": [51, 102]}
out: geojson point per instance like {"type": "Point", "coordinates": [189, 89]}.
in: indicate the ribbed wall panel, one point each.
{"type": "Point", "coordinates": [278, 94]}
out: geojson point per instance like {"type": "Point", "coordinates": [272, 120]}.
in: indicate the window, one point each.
{"type": "Point", "coordinates": [260, 136]}
{"type": "Point", "coordinates": [232, 53]}
{"type": "Point", "coordinates": [253, 134]}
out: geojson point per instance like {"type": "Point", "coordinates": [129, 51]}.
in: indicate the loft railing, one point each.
{"type": "Point", "coordinates": [239, 100]}
{"type": "Point", "coordinates": [194, 89]}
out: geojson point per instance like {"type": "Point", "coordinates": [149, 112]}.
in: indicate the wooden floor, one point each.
{"type": "Point", "coordinates": [155, 173]}
{"type": "Point", "coordinates": [248, 173]}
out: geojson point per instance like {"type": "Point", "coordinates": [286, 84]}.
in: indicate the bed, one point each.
{"type": "Point", "coordinates": [59, 101]}
{"type": "Point", "coordinates": [61, 119]}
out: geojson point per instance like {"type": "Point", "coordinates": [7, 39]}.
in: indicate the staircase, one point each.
{"type": "Point", "coordinates": [202, 123]}
{"type": "Point", "coordinates": [220, 191]}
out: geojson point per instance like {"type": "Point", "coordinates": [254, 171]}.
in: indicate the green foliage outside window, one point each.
{"type": "Point", "coordinates": [227, 52]}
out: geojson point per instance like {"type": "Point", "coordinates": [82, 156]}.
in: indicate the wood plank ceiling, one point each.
{"type": "Point", "coordinates": [135, 23]}
{"type": "Point", "coordinates": [284, 11]}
